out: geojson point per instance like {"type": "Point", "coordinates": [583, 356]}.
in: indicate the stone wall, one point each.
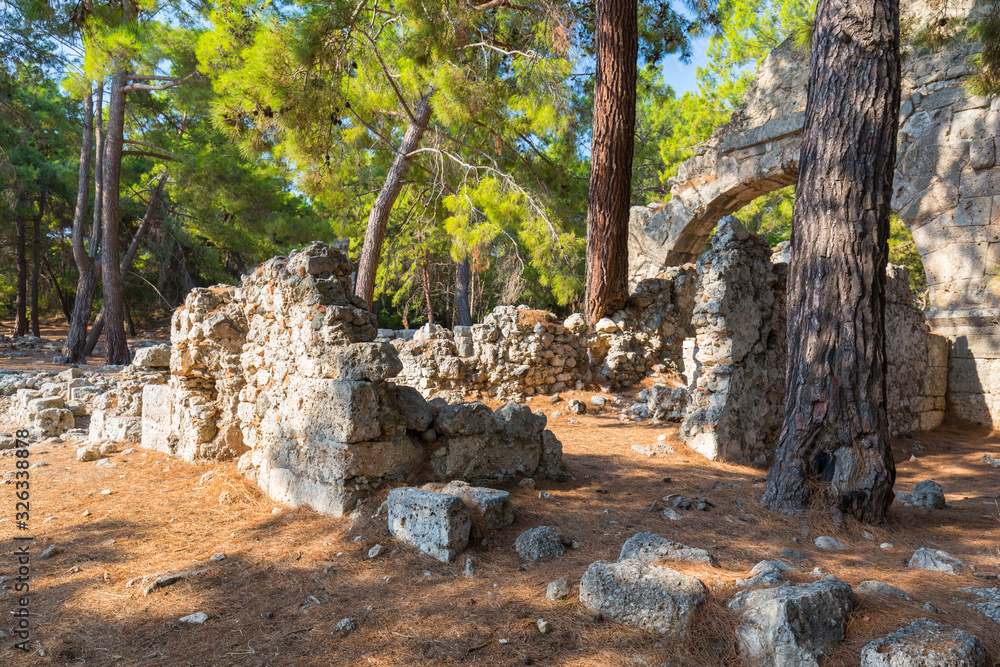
{"type": "Point", "coordinates": [946, 191]}
{"type": "Point", "coordinates": [737, 387]}
{"type": "Point", "coordinates": [285, 373]}
{"type": "Point", "coordinates": [518, 352]}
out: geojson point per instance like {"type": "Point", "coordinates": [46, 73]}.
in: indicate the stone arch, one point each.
{"type": "Point", "coordinates": [946, 191]}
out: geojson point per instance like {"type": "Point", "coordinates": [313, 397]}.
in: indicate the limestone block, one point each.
{"type": "Point", "coordinates": [970, 407]}
{"type": "Point", "coordinates": [936, 382]}
{"type": "Point", "coordinates": [157, 418]}
{"type": "Point", "coordinates": [791, 625]}
{"type": "Point", "coordinates": [492, 506]}
{"type": "Point", "coordinates": [123, 429]}
{"type": "Point", "coordinates": [931, 419]}
{"type": "Point", "coordinates": [644, 595]}
{"type": "Point", "coordinates": [375, 361]}
{"type": "Point", "coordinates": [53, 421]}
{"type": "Point", "coordinates": [982, 153]}
{"type": "Point", "coordinates": [157, 356]}
{"type": "Point", "coordinates": [36, 405]}
{"type": "Point", "coordinates": [963, 376]}
{"type": "Point", "coordinates": [464, 419]}
{"type": "Point", "coordinates": [411, 406]}
{"type": "Point", "coordinates": [973, 211]}
{"type": "Point", "coordinates": [345, 410]}
{"type": "Point", "coordinates": [485, 457]}
{"type": "Point", "coordinates": [926, 643]}
{"type": "Point", "coordinates": [437, 524]}
{"type": "Point", "coordinates": [937, 350]}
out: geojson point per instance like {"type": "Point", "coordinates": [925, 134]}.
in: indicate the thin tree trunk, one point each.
{"type": "Point", "coordinates": [63, 298]}
{"type": "Point", "coordinates": [462, 293]}
{"type": "Point", "coordinates": [95, 231]}
{"type": "Point", "coordinates": [426, 275]}
{"type": "Point", "coordinates": [378, 218]}
{"type": "Point", "coordinates": [115, 341]}
{"type": "Point", "coordinates": [86, 284]}
{"type": "Point", "coordinates": [21, 310]}
{"type": "Point", "coordinates": [835, 431]}
{"type": "Point", "coordinates": [36, 264]}
{"type": "Point", "coordinates": [617, 45]}
{"type": "Point", "coordinates": [126, 263]}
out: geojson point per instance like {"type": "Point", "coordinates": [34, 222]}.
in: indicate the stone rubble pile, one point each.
{"type": "Point", "coordinates": [284, 373]}
{"type": "Point", "coordinates": [49, 404]}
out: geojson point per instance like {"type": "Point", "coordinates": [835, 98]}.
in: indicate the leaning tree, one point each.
{"type": "Point", "coordinates": [835, 435]}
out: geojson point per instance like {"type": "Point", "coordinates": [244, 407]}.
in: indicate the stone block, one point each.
{"type": "Point", "coordinates": [963, 376]}
{"type": "Point", "coordinates": [931, 419]}
{"type": "Point", "coordinates": [982, 153]}
{"type": "Point", "coordinates": [345, 410]}
{"type": "Point", "coordinates": [937, 352]}
{"type": "Point", "coordinates": [643, 595]}
{"type": "Point", "coordinates": [492, 506]}
{"type": "Point", "coordinates": [374, 362]}
{"type": "Point", "coordinates": [651, 547]}
{"type": "Point", "coordinates": [973, 211]}
{"type": "Point", "coordinates": [155, 357]}
{"type": "Point", "coordinates": [123, 429]}
{"type": "Point", "coordinates": [53, 421]}
{"type": "Point", "coordinates": [437, 524]}
{"type": "Point", "coordinates": [157, 418]}
{"type": "Point", "coordinates": [971, 407]}
{"type": "Point", "coordinates": [792, 625]}
{"type": "Point", "coordinates": [938, 561]}
{"type": "Point", "coordinates": [926, 643]}
{"type": "Point", "coordinates": [464, 419]}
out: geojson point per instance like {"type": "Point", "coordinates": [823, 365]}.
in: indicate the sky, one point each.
{"type": "Point", "coordinates": [682, 76]}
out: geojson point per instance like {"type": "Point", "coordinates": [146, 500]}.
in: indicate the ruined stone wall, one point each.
{"type": "Point", "coordinates": [285, 373]}
{"type": "Point", "coordinates": [737, 384]}
{"type": "Point", "coordinates": [518, 352]}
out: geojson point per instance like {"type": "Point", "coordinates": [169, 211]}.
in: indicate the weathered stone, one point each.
{"type": "Point", "coordinates": [873, 587]}
{"type": "Point", "coordinates": [926, 643]}
{"type": "Point", "coordinates": [539, 543]}
{"type": "Point", "coordinates": [793, 624]}
{"type": "Point", "coordinates": [157, 356]}
{"type": "Point", "coordinates": [491, 507]}
{"type": "Point", "coordinates": [827, 542]}
{"type": "Point", "coordinates": [437, 524]}
{"type": "Point", "coordinates": [558, 590]}
{"type": "Point", "coordinates": [644, 595]}
{"type": "Point", "coordinates": [651, 547]}
{"type": "Point", "coordinates": [464, 419]}
{"type": "Point", "coordinates": [928, 493]}
{"type": "Point", "coordinates": [937, 560]}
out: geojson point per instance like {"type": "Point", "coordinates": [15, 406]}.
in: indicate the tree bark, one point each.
{"type": "Point", "coordinates": [36, 264]}
{"type": "Point", "coordinates": [426, 280]}
{"type": "Point", "coordinates": [617, 44]}
{"type": "Point", "coordinates": [462, 293]}
{"type": "Point", "coordinates": [95, 231]}
{"type": "Point", "coordinates": [835, 434]}
{"type": "Point", "coordinates": [63, 299]}
{"type": "Point", "coordinates": [21, 309]}
{"type": "Point", "coordinates": [115, 341]}
{"type": "Point", "coordinates": [378, 218]}
{"type": "Point", "coordinates": [86, 284]}
{"type": "Point", "coordinates": [126, 263]}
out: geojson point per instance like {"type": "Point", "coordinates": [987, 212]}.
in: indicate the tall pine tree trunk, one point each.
{"type": "Point", "coordinates": [126, 263]}
{"type": "Point", "coordinates": [835, 430]}
{"type": "Point", "coordinates": [86, 283]}
{"type": "Point", "coordinates": [21, 309]}
{"type": "Point", "coordinates": [617, 42]}
{"type": "Point", "coordinates": [36, 263]}
{"type": "Point", "coordinates": [114, 308]}
{"type": "Point", "coordinates": [378, 218]}
{"type": "Point", "coordinates": [462, 293]}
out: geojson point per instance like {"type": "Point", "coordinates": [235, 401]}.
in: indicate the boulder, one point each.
{"type": "Point", "coordinates": [873, 587]}
{"type": "Point", "coordinates": [937, 560]}
{"type": "Point", "coordinates": [643, 594]}
{"type": "Point", "coordinates": [926, 643]}
{"type": "Point", "coordinates": [651, 547]}
{"type": "Point", "coordinates": [464, 419]}
{"type": "Point", "coordinates": [538, 543]}
{"type": "Point", "coordinates": [791, 625]}
{"type": "Point", "coordinates": [437, 524]}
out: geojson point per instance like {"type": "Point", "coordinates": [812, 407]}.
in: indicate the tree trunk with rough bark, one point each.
{"type": "Point", "coordinates": [86, 284]}
{"type": "Point", "coordinates": [21, 309]}
{"type": "Point", "coordinates": [36, 264]}
{"type": "Point", "coordinates": [617, 45]}
{"type": "Point", "coordinates": [462, 293]}
{"type": "Point", "coordinates": [115, 341]}
{"type": "Point", "coordinates": [126, 263]}
{"type": "Point", "coordinates": [835, 435]}
{"type": "Point", "coordinates": [378, 218]}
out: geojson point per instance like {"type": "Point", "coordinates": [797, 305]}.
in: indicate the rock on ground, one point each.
{"type": "Point", "coordinates": [558, 590]}
{"type": "Point", "coordinates": [874, 587]}
{"type": "Point", "coordinates": [539, 543]}
{"type": "Point", "coordinates": [651, 547]}
{"type": "Point", "coordinates": [437, 524]}
{"type": "Point", "coordinates": [491, 506]}
{"type": "Point", "coordinates": [926, 643]}
{"type": "Point", "coordinates": [644, 595]}
{"type": "Point", "coordinates": [791, 625]}
{"type": "Point", "coordinates": [928, 493]}
{"type": "Point", "coordinates": [827, 542]}
{"type": "Point", "coordinates": [937, 560]}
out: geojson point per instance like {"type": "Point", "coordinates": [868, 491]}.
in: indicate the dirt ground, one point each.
{"type": "Point", "coordinates": [290, 575]}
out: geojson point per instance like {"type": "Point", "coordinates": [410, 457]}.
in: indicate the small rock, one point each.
{"type": "Point", "coordinates": [886, 545]}
{"type": "Point", "coordinates": [197, 617]}
{"type": "Point", "coordinates": [673, 514]}
{"type": "Point", "coordinates": [600, 402]}
{"type": "Point", "coordinates": [928, 493]}
{"type": "Point", "coordinates": [989, 460]}
{"type": "Point", "coordinates": [347, 625]}
{"type": "Point", "coordinates": [827, 542]}
{"type": "Point", "coordinates": [543, 626]}
{"type": "Point", "coordinates": [109, 448]}
{"type": "Point", "coordinates": [50, 551]}
{"type": "Point", "coordinates": [930, 609]}
{"type": "Point", "coordinates": [106, 492]}
{"type": "Point", "coordinates": [544, 495]}
{"type": "Point", "coordinates": [874, 587]}
{"type": "Point", "coordinates": [207, 477]}
{"type": "Point", "coordinates": [790, 553]}
{"type": "Point", "coordinates": [577, 407]}
{"type": "Point", "coordinates": [376, 551]}
{"type": "Point", "coordinates": [218, 557]}
{"type": "Point", "coordinates": [538, 543]}
{"type": "Point", "coordinates": [555, 398]}
{"type": "Point", "coordinates": [127, 451]}
{"type": "Point", "coordinates": [558, 590]}
{"type": "Point", "coordinates": [87, 454]}
{"type": "Point", "coordinates": [527, 483]}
